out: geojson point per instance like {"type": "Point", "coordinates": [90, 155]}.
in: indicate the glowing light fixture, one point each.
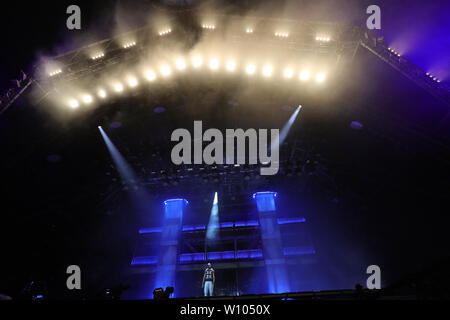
{"type": "Point", "coordinates": [181, 65]}
{"type": "Point", "coordinates": [208, 26]}
{"type": "Point", "coordinates": [288, 73]}
{"type": "Point", "coordinates": [87, 98]}
{"type": "Point", "coordinates": [231, 65]}
{"type": "Point", "coordinates": [74, 103]}
{"type": "Point", "coordinates": [98, 56]}
{"type": "Point", "coordinates": [281, 34]}
{"type": "Point", "coordinates": [164, 32]}
{"type": "Point", "coordinates": [102, 93]}
{"type": "Point", "coordinates": [250, 69]}
{"type": "Point", "coordinates": [132, 82]}
{"type": "Point", "coordinates": [129, 45]}
{"type": "Point", "coordinates": [165, 70]}
{"type": "Point", "coordinates": [118, 87]}
{"type": "Point", "coordinates": [323, 39]}
{"type": "Point", "coordinates": [249, 30]}
{"type": "Point", "coordinates": [304, 75]}
{"type": "Point", "coordinates": [55, 72]}
{"type": "Point", "coordinates": [267, 71]}
{"type": "Point", "coordinates": [214, 64]}
{"type": "Point", "coordinates": [320, 77]}
{"type": "Point", "coordinates": [150, 75]}
{"type": "Point", "coordinates": [197, 61]}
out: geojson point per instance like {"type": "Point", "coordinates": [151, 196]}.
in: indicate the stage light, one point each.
{"type": "Point", "coordinates": [98, 56]}
{"type": "Point", "coordinates": [87, 98]}
{"type": "Point", "coordinates": [101, 93]}
{"type": "Point", "coordinates": [55, 72]}
{"type": "Point", "coordinates": [150, 75]}
{"type": "Point", "coordinates": [129, 45]}
{"type": "Point", "coordinates": [181, 65]}
{"type": "Point", "coordinates": [197, 61]}
{"type": "Point", "coordinates": [208, 26]}
{"type": "Point", "coordinates": [231, 65]}
{"type": "Point", "coordinates": [213, 226]}
{"type": "Point", "coordinates": [250, 69]}
{"type": "Point", "coordinates": [288, 73]}
{"type": "Point", "coordinates": [320, 77]}
{"type": "Point", "coordinates": [285, 131]}
{"type": "Point", "coordinates": [323, 39]}
{"type": "Point", "coordinates": [282, 34]}
{"type": "Point", "coordinates": [165, 70]}
{"type": "Point", "coordinates": [164, 32]}
{"type": "Point", "coordinates": [214, 64]}
{"type": "Point", "coordinates": [118, 87]}
{"type": "Point", "coordinates": [132, 82]}
{"type": "Point", "coordinates": [74, 103]}
{"type": "Point", "coordinates": [249, 30]}
{"type": "Point", "coordinates": [304, 75]}
{"type": "Point", "coordinates": [267, 71]}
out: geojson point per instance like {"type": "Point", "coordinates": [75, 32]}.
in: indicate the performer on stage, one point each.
{"type": "Point", "coordinates": [209, 280]}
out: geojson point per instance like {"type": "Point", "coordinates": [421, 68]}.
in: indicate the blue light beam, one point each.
{"type": "Point", "coordinates": [213, 226]}
{"type": "Point", "coordinates": [125, 171]}
{"type": "Point", "coordinates": [287, 127]}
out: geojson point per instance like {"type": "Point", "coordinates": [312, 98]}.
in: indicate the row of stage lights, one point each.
{"type": "Point", "coordinates": [427, 74]}
{"type": "Point", "coordinates": [128, 45]}
{"type": "Point", "coordinates": [267, 71]}
{"type": "Point", "coordinates": [394, 52]}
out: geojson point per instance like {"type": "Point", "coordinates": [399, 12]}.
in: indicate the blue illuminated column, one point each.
{"type": "Point", "coordinates": [277, 278]}
{"type": "Point", "coordinates": [168, 250]}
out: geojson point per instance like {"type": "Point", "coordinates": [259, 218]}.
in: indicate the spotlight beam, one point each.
{"type": "Point", "coordinates": [287, 127]}
{"type": "Point", "coordinates": [213, 225]}
{"type": "Point", "coordinates": [124, 169]}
